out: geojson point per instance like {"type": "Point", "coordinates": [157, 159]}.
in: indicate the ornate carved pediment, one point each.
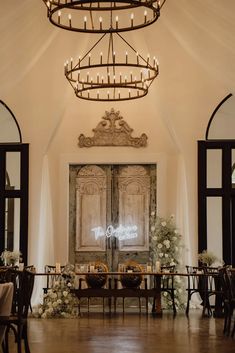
{"type": "Point", "coordinates": [112, 130]}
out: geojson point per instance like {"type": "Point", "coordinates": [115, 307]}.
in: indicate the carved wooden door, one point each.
{"type": "Point", "coordinates": [110, 213]}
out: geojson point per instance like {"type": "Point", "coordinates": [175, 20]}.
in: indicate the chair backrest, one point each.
{"type": "Point", "coordinates": [25, 290]}
{"type": "Point", "coordinates": [54, 276]}
{"type": "Point", "coordinates": [167, 282]}
{"type": "Point", "coordinates": [195, 283]}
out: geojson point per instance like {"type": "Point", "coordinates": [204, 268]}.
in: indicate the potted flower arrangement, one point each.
{"type": "Point", "coordinates": [10, 258]}
{"type": "Point", "coordinates": [166, 248]}
{"type": "Point", "coordinates": [208, 258]}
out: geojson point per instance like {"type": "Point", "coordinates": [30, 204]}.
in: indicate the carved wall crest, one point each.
{"type": "Point", "coordinates": [112, 130]}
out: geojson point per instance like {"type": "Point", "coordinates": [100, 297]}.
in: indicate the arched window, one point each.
{"type": "Point", "coordinates": [13, 184]}
{"type": "Point", "coordinates": [216, 183]}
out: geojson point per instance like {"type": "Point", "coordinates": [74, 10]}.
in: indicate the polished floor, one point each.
{"type": "Point", "coordinates": [129, 333]}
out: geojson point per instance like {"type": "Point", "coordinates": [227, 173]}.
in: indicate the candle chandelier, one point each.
{"type": "Point", "coordinates": [102, 75]}
{"type": "Point", "coordinates": [93, 16]}
{"type": "Point", "coordinates": [111, 70]}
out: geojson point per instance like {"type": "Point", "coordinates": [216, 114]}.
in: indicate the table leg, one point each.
{"type": "Point", "coordinates": [157, 305]}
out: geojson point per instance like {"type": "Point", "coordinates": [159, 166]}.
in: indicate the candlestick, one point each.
{"type": "Point", "coordinates": [89, 59]}
{"type": "Point", "coordinates": [101, 57]}
{"type": "Point", "coordinates": [70, 20]}
{"type": "Point", "coordinates": [57, 267]}
{"type": "Point", "coordinates": [137, 58]}
{"type": "Point", "coordinates": [145, 16]}
{"type": "Point", "coordinates": [85, 21]}
{"type": "Point", "coordinates": [98, 77]}
{"type": "Point", "coordinates": [59, 14]}
{"type": "Point", "coordinates": [116, 19]}
{"type": "Point", "coordinates": [158, 266]}
{"type": "Point", "coordinates": [101, 20]}
{"type": "Point", "coordinates": [132, 19]}
{"type": "Point", "coordinates": [126, 57]}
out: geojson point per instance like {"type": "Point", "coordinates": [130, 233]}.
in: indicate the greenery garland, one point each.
{"type": "Point", "coordinates": [166, 247]}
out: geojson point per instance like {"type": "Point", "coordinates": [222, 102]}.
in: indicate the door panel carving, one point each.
{"type": "Point", "coordinates": [90, 208]}
{"type": "Point", "coordinates": [134, 194]}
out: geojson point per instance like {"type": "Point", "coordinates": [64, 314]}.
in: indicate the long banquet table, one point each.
{"type": "Point", "coordinates": [110, 292]}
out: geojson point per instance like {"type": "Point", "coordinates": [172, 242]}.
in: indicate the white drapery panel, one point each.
{"type": "Point", "coordinates": [45, 245]}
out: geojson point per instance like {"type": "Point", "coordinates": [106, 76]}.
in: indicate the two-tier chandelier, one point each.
{"type": "Point", "coordinates": [108, 76]}
{"type": "Point", "coordinates": [111, 70]}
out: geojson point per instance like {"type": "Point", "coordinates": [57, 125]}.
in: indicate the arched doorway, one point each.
{"type": "Point", "coordinates": [216, 192]}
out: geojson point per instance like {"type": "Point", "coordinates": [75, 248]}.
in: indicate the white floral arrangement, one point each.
{"type": "Point", "coordinates": [166, 247]}
{"type": "Point", "coordinates": [59, 301]}
{"type": "Point", "coordinates": [208, 258]}
{"type": "Point", "coordinates": [10, 257]}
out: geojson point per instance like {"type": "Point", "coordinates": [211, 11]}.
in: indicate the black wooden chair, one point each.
{"type": "Point", "coordinates": [213, 288]}
{"type": "Point", "coordinates": [228, 285]}
{"type": "Point", "coordinates": [52, 276]}
{"type": "Point", "coordinates": [23, 288]}
{"type": "Point", "coordinates": [195, 284]}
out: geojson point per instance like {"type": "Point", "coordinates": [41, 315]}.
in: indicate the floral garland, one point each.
{"type": "Point", "coordinates": [166, 247]}
{"type": "Point", "coordinates": [59, 301]}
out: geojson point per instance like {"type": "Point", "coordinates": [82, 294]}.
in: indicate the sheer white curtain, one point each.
{"type": "Point", "coordinates": [45, 245]}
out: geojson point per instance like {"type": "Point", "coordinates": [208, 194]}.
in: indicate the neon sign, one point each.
{"type": "Point", "coordinates": [121, 232]}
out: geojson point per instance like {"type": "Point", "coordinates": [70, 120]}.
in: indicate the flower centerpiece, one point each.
{"type": "Point", "coordinates": [59, 301]}
{"type": "Point", "coordinates": [97, 280]}
{"type": "Point", "coordinates": [208, 258]}
{"type": "Point", "coordinates": [130, 280]}
{"type": "Point", "coordinates": [166, 247]}
{"type": "Point", "coordinates": [10, 258]}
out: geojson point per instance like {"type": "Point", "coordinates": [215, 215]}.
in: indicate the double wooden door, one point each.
{"type": "Point", "coordinates": [109, 213]}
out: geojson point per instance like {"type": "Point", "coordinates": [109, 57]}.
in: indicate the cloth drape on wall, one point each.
{"type": "Point", "coordinates": [45, 253]}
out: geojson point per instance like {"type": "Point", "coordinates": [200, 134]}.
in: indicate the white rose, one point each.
{"type": "Point", "coordinates": [166, 255]}
{"type": "Point", "coordinates": [176, 231]}
{"type": "Point", "coordinates": [65, 293]}
{"type": "Point", "coordinates": [59, 301]}
{"type": "Point", "coordinates": [66, 301]}
{"type": "Point", "coordinates": [155, 237]}
{"type": "Point", "coordinates": [176, 248]}
{"type": "Point", "coordinates": [168, 245]}
{"type": "Point", "coordinates": [40, 311]}
{"type": "Point", "coordinates": [152, 213]}
{"type": "Point", "coordinates": [69, 284]}
{"type": "Point", "coordinates": [161, 254]}
{"type": "Point", "coordinates": [55, 304]}
{"type": "Point", "coordinates": [174, 238]}
{"type": "Point", "coordinates": [163, 224]}
{"type": "Point", "coordinates": [159, 246]}
{"type": "Point", "coordinates": [44, 315]}
{"type": "Point", "coordinates": [172, 263]}
{"type": "Point", "coordinates": [153, 229]}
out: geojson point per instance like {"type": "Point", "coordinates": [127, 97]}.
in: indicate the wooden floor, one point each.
{"type": "Point", "coordinates": [131, 333]}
